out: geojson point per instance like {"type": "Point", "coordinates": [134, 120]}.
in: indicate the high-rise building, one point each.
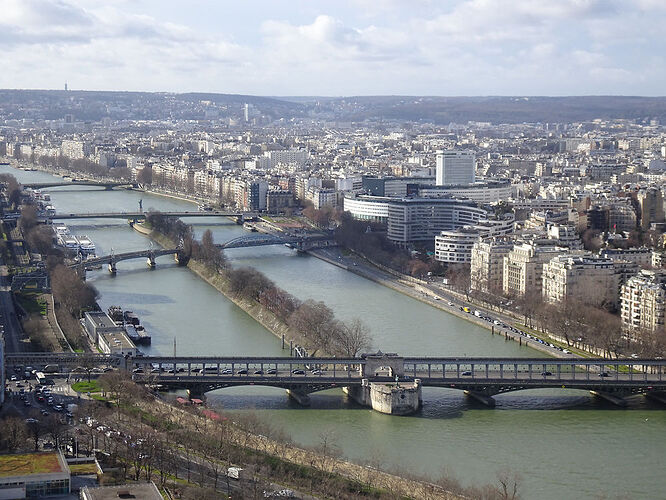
{"type": "Point", "coordinates": [455, 167]}
{"type": "Point", "coordinates": [652, 206]}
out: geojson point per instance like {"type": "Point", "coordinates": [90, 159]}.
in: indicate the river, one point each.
{"type": "Point", "coordinates": [564, 444]}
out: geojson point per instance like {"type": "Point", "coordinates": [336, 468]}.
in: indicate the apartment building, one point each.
{"type": "Point", "coordinates": [487, 263]}
{"type": "Point", "coordinates": [523, 268]}
{"type": "Point", "coordinates": [585, 278]}
{"type": "Point", "coordinates": [643, 301]}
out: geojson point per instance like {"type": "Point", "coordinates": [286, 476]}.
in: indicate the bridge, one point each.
{"type": "Point", "coordinates": [479, 378]}
{"type": "Point", "coordinates": [302, 243]}
{"type": "Point", "coordinates": [75, 182]}
{"type": "Point", "coordinates": [142, 215]}
{"type": "Point", "coordinates": [112, 259]}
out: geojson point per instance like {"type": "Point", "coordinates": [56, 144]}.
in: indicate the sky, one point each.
{"type": "Point", "coordinates": [337, 47]}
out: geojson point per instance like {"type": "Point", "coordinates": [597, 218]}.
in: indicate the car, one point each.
{"type": "Point", "coordinates": [316, 372]}
{"type": "Point", "coordinates": [604, 374]}
{"type": "Point", "coordinates": [258, 372]}
{"type": "Point", "coordinates": [19, 384]}
{"type": "Point", "coordinates": [298, 372]}
{"type": "Point", "coordinates": [31, 420]}
{"type": "Point", "coordinates": [137, 370]}
{"type": "Point", "coordinates": [546, 374]}
{"type": "Point", "coordinates": [450, 303]}
{"type": "Point", "coordinates": [227, 371]}
{"type": "Point", "coordinates": [272, 371]}
{"type": "Point", "coordinates": [69, 414]}
{"type": "Point", "coordinates": [27, 403]}
{"type": "Point", "coordinates": [466, 373]}
{"type": "Point", "coordinates": [44, 412]}
{"type": "Point", "coordinates": [497, 322]}
{"type": "Point", "coordinates": [242, 371]}
{"type": "Point", "coordinates": [58, 408]}
{"type": "Point", "coordinates": [40, 399]}
{"type": "Point", "coordinates": [13, 378]}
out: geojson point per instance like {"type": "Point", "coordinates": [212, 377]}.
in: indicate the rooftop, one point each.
{"type": "Point", "coordinates": [31, 463]}
{"type": "Point", "coordinates": [144, 491]}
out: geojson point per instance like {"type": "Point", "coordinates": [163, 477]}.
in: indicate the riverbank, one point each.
{"type": "Point", "coordinates": [255, 310]}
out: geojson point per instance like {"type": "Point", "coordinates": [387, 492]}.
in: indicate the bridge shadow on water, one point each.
{"type": "Point", "coordinates": [437, 403]}
{"type": "Point", "coordinates": [162, 263]}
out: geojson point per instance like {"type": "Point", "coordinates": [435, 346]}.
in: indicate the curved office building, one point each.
{"type": "Point", "coordinates": [411, 220]}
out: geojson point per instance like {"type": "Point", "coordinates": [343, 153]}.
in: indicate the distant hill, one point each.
{"type": "Point", "coordinates": [517, 109]}
{"type": "Point", "coordinates": [94, 105]}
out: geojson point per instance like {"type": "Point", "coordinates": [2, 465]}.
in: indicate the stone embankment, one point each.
{"type": "Point", "coordinates": [258, 312]}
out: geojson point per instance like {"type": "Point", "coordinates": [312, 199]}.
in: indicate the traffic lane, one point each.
{"type": "Point", "coordinates": [462, 375]}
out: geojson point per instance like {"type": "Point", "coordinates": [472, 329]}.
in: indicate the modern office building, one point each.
{"type": "Point", "coordinates": [33, 475]}
{"type": "Point", "coordinates": [455, 247]}
{"type": "Point", "coordinates": [415, 220]}
{"type": "Point", "coordinates": [455, 167]}
{"type": "Point", "coordinates": [481, 192]}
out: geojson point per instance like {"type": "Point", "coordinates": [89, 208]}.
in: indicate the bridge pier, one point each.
{"type": "Point", "coordinates": [616, 400]}
{"type": "Point", "coordinates": [151, 261]}
{"type": "Point", "coordinates": [659, 396]}
{"type": "Point", "coordinates": [299, 396]}
{"type": "Point", "coordinates": [112, 267]}
{"type": "Point", "coordinates": [391, 399]}
{"type": "Point", "coordinates": [489, 401]}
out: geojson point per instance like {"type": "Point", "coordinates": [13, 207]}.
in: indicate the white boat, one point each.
{"type": "Point", "coordinates": [70, 242]}
{"type": "Point", "coordinates": [86, 246]}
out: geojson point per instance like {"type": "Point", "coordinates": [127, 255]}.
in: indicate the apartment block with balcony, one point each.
{"type": "Point", "coordinates": [643, 301]}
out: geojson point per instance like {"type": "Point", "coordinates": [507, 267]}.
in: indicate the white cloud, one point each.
{"type": "Point", "coordinates": [423, 47]}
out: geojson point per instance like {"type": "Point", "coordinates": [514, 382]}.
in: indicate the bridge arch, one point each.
{"type": "Point", "coordinates": [254, 240]}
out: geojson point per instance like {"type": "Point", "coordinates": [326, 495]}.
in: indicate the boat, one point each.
{"type": "Point", "coordinates": [116, 313]}
{"type": "Point", "coordinates": [138, 334]}
{"type": "Point", "coordinates": [86, 246]}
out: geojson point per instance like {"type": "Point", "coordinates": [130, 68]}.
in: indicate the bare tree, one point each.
{"type": "Point", "coordinates": [353, 337]}
{"type": "Point", "coordinates": [13, 434]}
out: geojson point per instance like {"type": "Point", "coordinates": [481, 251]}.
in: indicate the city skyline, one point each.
{"type": "Point", "coordinates": [472, 47]}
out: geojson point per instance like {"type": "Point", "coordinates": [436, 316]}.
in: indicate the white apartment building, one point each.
{"type": "Point", "coordinates": [487, 263]}
{"type": "Point", "coordinates": [288, 156]}
{"type": "Point", "coordinates": [455, 167]}
{"type": "Point", "coordinates": [322, 197]}
{"type": "Point", "coordinates": [641, 256]}
{"type": "Point", "coordinates": [74, 150]}
{"type": "Point", "coordinates": [643, 300]}
{"type": "Point", "coordinates": [455, 246]}
{"type": "Point", "coordinates": [585, 278]}
{"type": "Point", "coordinates": [523, 268]}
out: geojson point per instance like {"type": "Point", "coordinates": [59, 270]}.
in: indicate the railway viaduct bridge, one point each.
{"type": "Point", "coordinates": [386, 382]}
